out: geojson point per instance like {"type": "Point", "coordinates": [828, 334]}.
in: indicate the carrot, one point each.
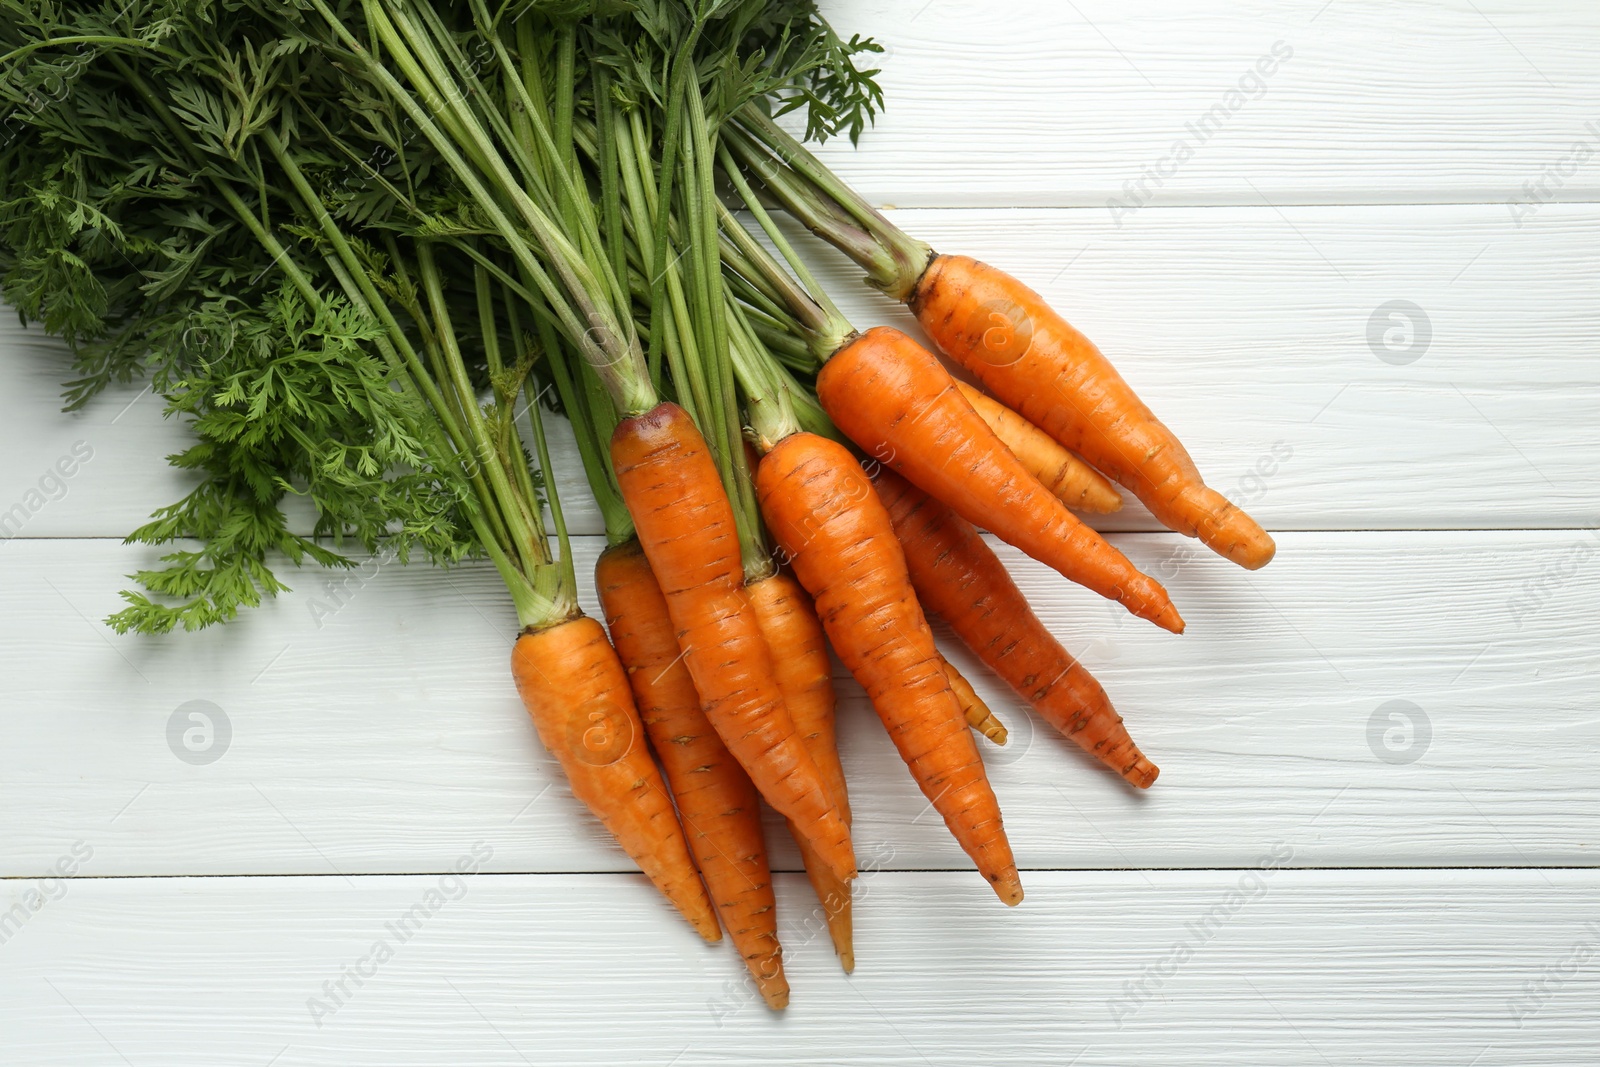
{"type": "Point", "coordinates": [1028, 356]}
{"type": "Point", "coordinates": [822, 510]}
{"type": "Point", "coordinates": [719, 808]}
{"type": "Point", "coordinates": [1022, 352]}
{"type": "Point", "coordinates": [800, 659]}
{"type": "Point", "coordinates": [977, 713]}
{"type": "Point", "coordinates": [959, 577]}
{"type": "Point", "coordinates": [894, 398]}
{"type": "Point", "coordinates": [686, 528]}
{"type": "Point", "coordinates": [1077, 484]}
{"type": "Point", "coordinates": [577, 693]}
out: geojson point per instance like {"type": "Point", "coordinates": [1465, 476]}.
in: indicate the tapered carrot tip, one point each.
{"type": "Point", "coordinates": [1254, 552]}
{"type": "Point", "coordinates": [1097, 498]}
{"type": "Point", "coordinates": [842, 930]}
{"type": "Point", "coordinates": [1228, 531]}
{"type": "Point", "coordinates": [1241, 541]}
{"type": "Point", "coordinates": [775, 991]}
{"type": "Point", "coordinates": [978, 714]}
{"type": "Point", "coordinates": [1167, 618]}
{"type": "Point", "coordinates": [1007, 886]}
{"type": "Point", "coordinates": [1141, 772]}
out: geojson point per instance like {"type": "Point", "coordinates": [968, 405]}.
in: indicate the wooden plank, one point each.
{"type": "Point", "coordinates": [373, 725]}
{"type": "Point", "coordinates": [1209, 967]}
{"type": "Point", "coordinates": [1069, 104]}
{"type": "Point", "coordinates": [1245, 330]}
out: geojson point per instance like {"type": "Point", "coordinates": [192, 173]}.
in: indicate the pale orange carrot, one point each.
{"type": "Point", "coordinates": [1078, 485]}
{"type": "Point", "coordinates": [800, 658]}
{"type": "Point", "coordinates": [978, 714]}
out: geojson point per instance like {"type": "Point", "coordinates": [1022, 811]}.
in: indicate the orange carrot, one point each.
{"type": "Point", "coordinates": [1022, 352]}
{"type": "Point", "coordinates": [719, 808]}
{"type": "Point", "coordinates": [1077, 484]}
{"type": "Point", "coordinates": [686, 528]}
{"type": "Point", "coordinates": [800, 659]}
{"type": "Point", "coordinates": [1029, 357]}
{"type": "Point", "coordinates": [895, 399]}
{"type": "Point", "coordinates": [822, 510]}
{"type": "Point", "coordinates": [977, 713]}
{"type": "Point", "coordinates": [959, 577]}
{"type": "Point", "coordinates": [577, 693]}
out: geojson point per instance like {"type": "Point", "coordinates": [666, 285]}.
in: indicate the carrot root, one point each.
{"type": "Point", "coordinates": [894, 398]}
{"type": "Point", "coordinates": [977, 713]}
{"type": "Point", "coordinates": [576, 691]}
{"type": "Point", "coordinates": [686, 527]}
{"type": "Point", "coordinates": [1033, 360]}
{"type": "Point", "coordinates": [823, 511]}
{"type": "Point", "coordinates": [957, 575]}
{"type": "Point", "coordinates": [1074, 482]}
{"type": "Point", "coordinates": [800, 659]}
{"type": "Point", "coordinates": [717, 805]}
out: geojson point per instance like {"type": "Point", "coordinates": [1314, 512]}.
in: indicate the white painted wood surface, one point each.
{"type": "Point", "coordinates": [1063, 102]}
{"type": "Point", "coordinates": [1437, 523]}
{"type": "Point", "coordinates": [1298, 968]}
{"type": "Point", "coordinates": [376, 741]}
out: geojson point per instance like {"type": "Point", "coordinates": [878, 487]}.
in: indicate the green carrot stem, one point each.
{"type": "Point", "coordinates": [520, 515]}
{"type": "Point", "coordinates": [678, 80]}
{"type": "Point", "coordinates": [593, 328]}
{"type": "Point", "coordinates": [893, 259]}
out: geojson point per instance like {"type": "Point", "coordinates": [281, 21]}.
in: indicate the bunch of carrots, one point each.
{"type": "Point", "coordinates": [591, 195]}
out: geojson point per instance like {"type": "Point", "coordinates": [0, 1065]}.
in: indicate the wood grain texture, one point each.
{"type": "Point", "coordinates": [374, 725]}
{"type": "Point", "coordinates": [1046, 103]}
{"type": "Point", "coordinates": [1244, 329]}
{"type": "Point", "coordinates": [1282, 967]}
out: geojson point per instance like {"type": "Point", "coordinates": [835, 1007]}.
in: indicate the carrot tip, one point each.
{"type": "Point", "coordinates": [1093, 502]}
{"type": "Point", "coordinates": [1261, 557]}
{"type": "Point", "coordinates": [776, 994]}
{"type": "Point", "coordinates": [1142, 773]}
{"type": "Point", "coordinates": [847, 960]}
{"type": "Point", "coordinates": [1008, 887]}
{"type": "Point", "coordinates": [1168, 619]}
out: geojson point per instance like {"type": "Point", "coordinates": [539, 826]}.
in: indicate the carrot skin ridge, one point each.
{"type": "Point", "coordinates": [686, 527]}
{"type": "Point", "coordinates": [894, 398]}
{"type": "Point", "coordinates": [577, 693]}
{"type": "Point", "coordinates": [1073, 481]}
{"type": "Point", "coordinates": [718, 806]}
{"type": "Point", "coordinates": [1032, 359]}
{"type": "Point", "coordinates": [805, 676]}
{"type": "Point", "coordinates": [823, 512]}
{"type": "Point", "coordinates": [958, 576]}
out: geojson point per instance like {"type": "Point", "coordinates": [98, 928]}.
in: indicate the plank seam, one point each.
{"type": "Point", "coordinates": [799, 871]}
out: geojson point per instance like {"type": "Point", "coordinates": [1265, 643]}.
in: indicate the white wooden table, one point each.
{"type": "Point", "coordinates": [1375, 832]}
